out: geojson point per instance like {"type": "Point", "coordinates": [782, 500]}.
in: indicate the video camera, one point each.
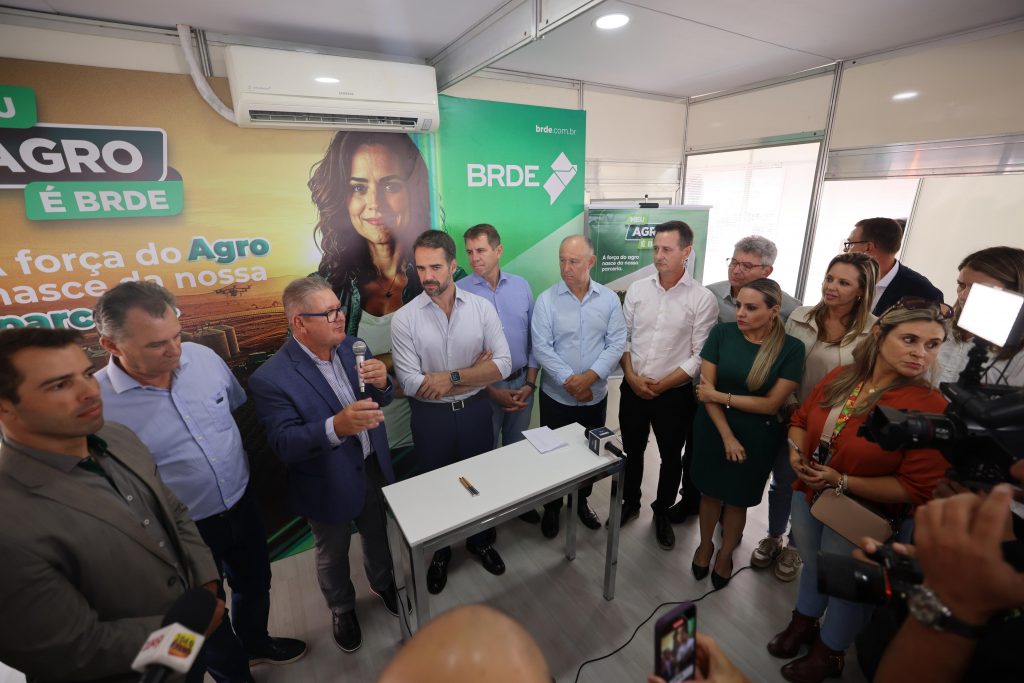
{"type": "Point", "coordinates": [981, 433]}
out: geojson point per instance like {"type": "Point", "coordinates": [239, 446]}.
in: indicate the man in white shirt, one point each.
{"type": "Point", "coordinates": [668, 318]}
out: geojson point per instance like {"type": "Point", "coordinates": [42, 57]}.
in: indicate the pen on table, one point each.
{"type": "Point", "coordinates": [469, 487]}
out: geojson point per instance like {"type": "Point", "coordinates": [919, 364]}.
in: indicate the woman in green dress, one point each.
{"type": "Point", "coordinates": [749, 368]}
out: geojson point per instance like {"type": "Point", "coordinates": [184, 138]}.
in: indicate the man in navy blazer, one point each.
{"type": "Point", "coordinates": [308, 397]}
{"type": "Point", "coordinates": [880, 238]}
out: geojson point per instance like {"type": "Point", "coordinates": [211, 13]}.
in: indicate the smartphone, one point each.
{"type": "Point", "coordinates": [675, 644]}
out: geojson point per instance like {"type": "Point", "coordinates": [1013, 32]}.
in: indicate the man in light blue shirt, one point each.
{"type": "Point", "coordinates": [579, 335]}
{"type": "Point", "coordinates": [447, 345]}
{"type": "Point", "coordinates": [512, 397]}
{"type": "Point", "coordinates": [178, 398]}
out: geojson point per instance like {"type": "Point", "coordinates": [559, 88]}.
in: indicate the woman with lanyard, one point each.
{"type": "Point", "coordinates": [891, 367]}
{"type": "Point", "coordinates": [830, 331]}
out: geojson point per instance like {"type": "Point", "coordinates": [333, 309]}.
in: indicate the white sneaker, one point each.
{"type": "Point", "coordinates": [788, 563]}
{"type": "Point", "coordinates": [767, 550]}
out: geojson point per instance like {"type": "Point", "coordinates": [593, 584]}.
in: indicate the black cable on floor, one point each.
{"type": "Point", "coordinates": [649, 617]}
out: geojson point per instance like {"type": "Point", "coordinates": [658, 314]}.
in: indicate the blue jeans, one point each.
{"type": "Point", "coordinates": [780, 495]}
{"type": "Point", "coordinates": [843, 619]}
{"type": "Point", "coordinates": [510, 426]}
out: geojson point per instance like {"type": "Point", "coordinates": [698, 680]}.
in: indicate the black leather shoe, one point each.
{"type": "Point", "coordinates": [530, 517]}
{"type": "Point", "coordinates": [347, 633]}
{"type": "Point", "coordinates": [549, 523]}
{"type": "Point", "coordinates": [683, 510]}
{"type": "Point", "coordinates": [279, 651]}
{"type": "Point", "coordinates": [699, 572]}
{"type": "Point", "coordinates": [719, 581]}
{"type": "Point", "coordinates": [587, 515]}
{"type": "Point", "coordinates": [663, 531]}
{"type": "Point", "coordinates": [629, 513]}
{"type": "Point", "coordinates": [389, 596]}
{"type": "Point", "coordinates": [489, 557]}
{"type": "Point", "coordinates": [437, 574]}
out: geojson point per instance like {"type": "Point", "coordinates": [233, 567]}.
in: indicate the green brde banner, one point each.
{"type": "Point", "coordinates": [519, 168]}
{"type": "Point", "coordinates": [623, 237]}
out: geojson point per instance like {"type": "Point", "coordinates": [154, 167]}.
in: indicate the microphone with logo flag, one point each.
{"type": "Point", "coordinates": [175, 646]}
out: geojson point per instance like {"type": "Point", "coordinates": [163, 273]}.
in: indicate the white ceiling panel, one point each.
{"type": "Point", "coordinates": [656, 53]}
{"type": "Point", "coordinates": [839, 29]}
{"type": "Point", "coordinates": [410, 28]}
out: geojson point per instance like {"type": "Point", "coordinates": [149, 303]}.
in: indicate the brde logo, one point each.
{"type": "Point", "coordinates": [512, 175]}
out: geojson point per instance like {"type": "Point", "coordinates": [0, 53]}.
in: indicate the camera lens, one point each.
{"type": "Point", "coordinates": [848, 578]}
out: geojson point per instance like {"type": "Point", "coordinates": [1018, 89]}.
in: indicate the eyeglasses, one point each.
{"type": "Point", "coordinates": [914, 303]}
{"type": "Point", "coordinates": [745, 265]}
{"type": "Point", "coordinates": [330, 316]}
{"type": "Point", "coordinates": [848, 244]}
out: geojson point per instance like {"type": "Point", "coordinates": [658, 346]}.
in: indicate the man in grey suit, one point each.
{"type": "Point", "coordinates": [95, 548]}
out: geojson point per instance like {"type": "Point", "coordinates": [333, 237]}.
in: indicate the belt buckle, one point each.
{"type": "Point", "coordinates": [458, 405]}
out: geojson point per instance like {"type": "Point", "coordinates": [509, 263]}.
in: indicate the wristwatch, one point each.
{"type": "Point", "coordinates": [926, 607]}
{"type": "Point", "coordinates": [531, 385]}
{"type": "Point", "coordinates": [455, 377]}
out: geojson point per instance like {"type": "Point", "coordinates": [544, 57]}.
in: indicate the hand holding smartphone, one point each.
{"type": "Point", "coordinates": [675, 644]}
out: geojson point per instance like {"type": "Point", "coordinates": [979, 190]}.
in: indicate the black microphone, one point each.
{"type": "Point", "coordinates": [359, 349]}
{"type": "Point", "coordinates": [601, 438]}
{"type": "Point", "coordinates": [181, 632]}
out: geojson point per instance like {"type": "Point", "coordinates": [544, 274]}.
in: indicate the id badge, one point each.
{"type": "Point", "coordinates": [823, 453]}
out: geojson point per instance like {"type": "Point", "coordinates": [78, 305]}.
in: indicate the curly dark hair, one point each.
{"type": "Point", "coordinates": [344, 251]}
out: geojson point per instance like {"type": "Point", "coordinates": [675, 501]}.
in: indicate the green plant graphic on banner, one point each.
{"type": "Point", "coordinates": [519, 168]}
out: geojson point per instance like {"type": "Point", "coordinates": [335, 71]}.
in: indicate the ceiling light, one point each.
{"type": "Point", "coordinates": [611, 21]}
{"type": "Point", "coordinates": [326, 79]}
{"type": "Point", "coordinates": [907, 95]}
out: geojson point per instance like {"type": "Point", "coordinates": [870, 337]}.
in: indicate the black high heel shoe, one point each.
{"type": "Point", "coordinates": [719, 581]}
{"type": "Point", "coordinates": [700, 572]}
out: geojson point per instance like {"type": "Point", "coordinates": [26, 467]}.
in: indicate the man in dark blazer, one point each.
{"type": "Point", "coordinates": [880, 238]}
{"type": "Point", "coordinates": [95, 549]}
{"type": "Point", "coordinates": [333, 443]}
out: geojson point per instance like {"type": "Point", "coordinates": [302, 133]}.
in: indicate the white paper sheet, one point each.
{"type": "Point", "coordinates": [543, 439]}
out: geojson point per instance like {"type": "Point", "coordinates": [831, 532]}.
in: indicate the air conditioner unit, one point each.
{"type": "Point", "coordinates": [281, 89]}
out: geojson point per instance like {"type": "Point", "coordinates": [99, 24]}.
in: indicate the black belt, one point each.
{"type": "Point", "coordinates": [516, 374]}
{"type": "Point", "coordinates": [455, 406]}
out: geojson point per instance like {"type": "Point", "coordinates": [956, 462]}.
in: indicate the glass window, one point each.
{"type": "Point", "coordinates": [764, 191]}
{"type": "Point", "coordinates": [843, 203]}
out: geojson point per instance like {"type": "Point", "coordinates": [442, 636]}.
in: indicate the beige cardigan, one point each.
{"type": "Point", "coordinates": [819, 358]}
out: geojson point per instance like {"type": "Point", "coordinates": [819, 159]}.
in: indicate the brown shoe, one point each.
{"type": "Point", "coordinates": [820, 663]}
{"type": "Point", "coordinates": [801, 630]}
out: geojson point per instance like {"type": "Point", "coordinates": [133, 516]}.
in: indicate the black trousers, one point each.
{"type": "Point", "coordinates": [671, 416]}
{"type": "Point", "coordinates": [238, 542]}
{"type": "Point", "coordinates": [554, 415]}
{"type": "Point", "coordinates": [442, 436]}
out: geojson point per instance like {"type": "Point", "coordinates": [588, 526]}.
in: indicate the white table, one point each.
{"type": "Point", "coordinates": [432, 510]}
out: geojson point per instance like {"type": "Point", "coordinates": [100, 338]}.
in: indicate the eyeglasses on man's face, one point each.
{"type": "Point", "coordinates": [330, 316]}
{"type": "Point", "coordinates": [745, 266]}
{"type": "Point", "coordinates": [848, 244]}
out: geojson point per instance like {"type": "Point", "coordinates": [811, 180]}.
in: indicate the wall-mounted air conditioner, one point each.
{"type": "Point", "coordinates": [281, 89]}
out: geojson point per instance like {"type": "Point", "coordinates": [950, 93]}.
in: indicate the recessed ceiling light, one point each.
{"type": "Point", "coordinates": [326, 79]}
{"type": "Point", "coordinates": [908, 95]}
{"type": "Point", "coordinates": [611, 21]}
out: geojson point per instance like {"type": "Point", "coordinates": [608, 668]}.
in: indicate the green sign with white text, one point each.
{"type": "Point", "coordinates": [519, 168]}
{"type": "Point", "coordinates": [17, 107]}
{"type": "Point", "coordinates": [69, 201]}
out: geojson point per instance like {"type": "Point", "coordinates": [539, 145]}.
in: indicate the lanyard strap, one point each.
{"type": "Point", "coordinates": [838, 417]}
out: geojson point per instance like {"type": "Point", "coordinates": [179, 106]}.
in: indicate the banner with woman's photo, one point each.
{"type": "Point", "coordinates": [108, 175]}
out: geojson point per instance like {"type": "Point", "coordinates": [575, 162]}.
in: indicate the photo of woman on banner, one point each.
{"type": "Point", "coordinates": [372, 195]}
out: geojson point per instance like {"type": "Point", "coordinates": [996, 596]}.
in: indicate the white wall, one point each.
{"type": "Point", "coordinates": [958, 215]}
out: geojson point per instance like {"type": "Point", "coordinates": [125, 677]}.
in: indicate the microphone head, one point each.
{"type": "Point", "coordinates": [359, 348]}
{"type": "Point", "coordinates": [193, 610]}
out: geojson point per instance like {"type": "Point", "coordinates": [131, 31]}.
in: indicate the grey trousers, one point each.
{"type": "Point", "coordinates": [332, 545]}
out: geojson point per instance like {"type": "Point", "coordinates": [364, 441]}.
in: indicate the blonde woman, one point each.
{"type": "Point", "coordinates": [829, 330]}
{"type": "Point", "coordinates": [749, 369]}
